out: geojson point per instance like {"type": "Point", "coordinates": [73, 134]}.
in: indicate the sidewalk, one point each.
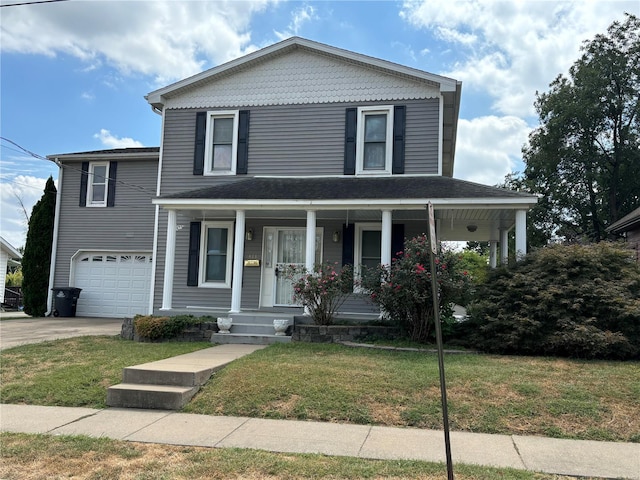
{"type": "Point", "coordinates": [568, 457]}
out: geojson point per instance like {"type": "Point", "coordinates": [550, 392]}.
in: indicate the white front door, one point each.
{"type": "Point", "coordinates": [282, 249]}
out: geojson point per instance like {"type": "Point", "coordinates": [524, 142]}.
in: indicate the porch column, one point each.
{"type": "Point", "coordinates": [521, 234]}
{"type": "Point", "coordinates": [493, 253]}
{"type": "Point", "coordinates": [170, 260]}
{"type": "Point", "coordinates": [385, 243]}
{"type": "Point", "coordinates": [310, 256]}
{"type": "Point", "coordinates": [238, 257]}
{"type": "Point", "coordinates": [504, 247]}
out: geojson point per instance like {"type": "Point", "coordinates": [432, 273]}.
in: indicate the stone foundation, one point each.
{"type": "Point", "coordinates": [341, 333]}
{"type": "Point", "coordinates": [194, 333]}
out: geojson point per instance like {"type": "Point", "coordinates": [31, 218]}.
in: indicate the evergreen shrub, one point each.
{"type": "Point", "coordinates": [161, 328]}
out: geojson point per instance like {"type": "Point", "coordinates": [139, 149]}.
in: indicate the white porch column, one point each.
{"type": "Point", "coordinates": [521, 234]}
{"type": "Point", "coordinates": [169, 261]}
{"type": "Point", "coordinates": [504, 247]}
{"type": "Point", "coordinates": [310, 254]}
{"type": "Point", "coordinates": [238, 257]}
{"type": "Point", "coordinates": [493, 253]}
{"type": "Point", "coordinates": [385, 243]}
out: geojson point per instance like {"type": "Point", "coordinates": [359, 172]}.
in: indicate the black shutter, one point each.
{"type": "Point", "coordinates": [348, 241]}
{"type": "Point", "coordinates": [397, 239]}
{"type": "Point", "coordinates": [399, 116]}
{"type": "Point", "coordinates": [243, 143]}
{"type": "Point", "coordinates": [194, 254]}
{"type": "Point", "coordinates": [350, 134]}
{"type": "Point", "coordinates": [111, 192]}
{"type": "Point", "coordinates": [201, 133]}
{"type": "Point", "coordinates": [83, 184]}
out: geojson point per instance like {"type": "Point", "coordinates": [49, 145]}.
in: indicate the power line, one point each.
{"type": "Point", "coordinates": [31, 3]}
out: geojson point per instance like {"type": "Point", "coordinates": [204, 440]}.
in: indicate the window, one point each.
{"type": "Point", "coordinates": [374, 140]}
{"type": "Point", "coordinates": [216, 255]}
{"type": "Point", "coordinates": [221, 148]}
{"type": "Point", "coordinates": [368, 246]}
{"type": "Point", "coordinates": [98, 183]}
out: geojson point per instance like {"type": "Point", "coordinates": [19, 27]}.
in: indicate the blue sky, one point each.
{"type": "Point", "coordinates": [74, 73]}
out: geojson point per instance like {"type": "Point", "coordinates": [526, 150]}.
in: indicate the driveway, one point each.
{"type": "Point", "coordinates": [20, 331]}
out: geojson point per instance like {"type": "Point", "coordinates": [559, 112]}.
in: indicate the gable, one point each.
{"type": "Point", "coordinates": [300, 76]}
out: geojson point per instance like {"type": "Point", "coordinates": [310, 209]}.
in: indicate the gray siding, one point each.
{"type": "Point", "coordinates": [126, 226]}
{"type": "Point", "coordinates": [295, 140]}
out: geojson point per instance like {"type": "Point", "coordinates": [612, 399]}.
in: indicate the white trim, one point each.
{"type": "Point", "coordinates": [154, 265]}
{"type": "Point", "coordinates": [169, 261]}
{"type": "Point", "coordinates": [363, 112]}
{"type": "Point", "coordinates": [441, 134]}
{"type": "Point", "coordinates": [521, 234]}
{"type": "Point", "coordinates": [203, 255]}
{"type": "Point", "coordinates": [208, 148]}
{"type": "Point", "coordinates": [90, 182]}
{"type": "Point", "coordinates": [238, 256]}
{"type": "Point", "coordinates": [385, 237]}
{"type": "Point", "coordinates": [54, 244]}
{"type": "Point", "coordinates": [357, 248]}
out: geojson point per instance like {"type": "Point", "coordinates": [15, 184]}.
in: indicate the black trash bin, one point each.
{"type": "Point", "coordinates": [65, 301]}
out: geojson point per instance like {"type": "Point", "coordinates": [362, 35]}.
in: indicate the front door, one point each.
{"type": "Point", "coordinates": [282, 249]}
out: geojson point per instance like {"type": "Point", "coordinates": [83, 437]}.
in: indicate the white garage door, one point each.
{"type": "Point", "coordinates": [113, 284]}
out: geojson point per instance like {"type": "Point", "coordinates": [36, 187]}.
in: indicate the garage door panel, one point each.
{"type": "Point", "coordinates": [113, 284]}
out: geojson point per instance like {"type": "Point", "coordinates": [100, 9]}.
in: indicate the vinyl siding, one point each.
{"type": "Point", "coordinates": [128, 226]}
{"type": "Point", "coordinates": [295, 140]}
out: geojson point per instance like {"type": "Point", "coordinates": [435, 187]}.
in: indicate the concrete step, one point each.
{"type": "Point", "coordinates": [254, 328]}
{"type": "Point", "coordinates": [248, 338]}
{"type": "Point", "coordinates": [175, 374]}
{"type": "Point", "coordinates": [160, 397]}
{"type": "Point", "coordinates": [259, 319]}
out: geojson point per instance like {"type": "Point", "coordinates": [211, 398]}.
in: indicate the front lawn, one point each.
{"type": "Point", "coordinates": [593, 400]}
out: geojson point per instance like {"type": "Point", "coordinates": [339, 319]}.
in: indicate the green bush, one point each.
{"type": "Point", "coordinates": [566, 300]}
{"type": "Point", "coordinates": [160, 328]}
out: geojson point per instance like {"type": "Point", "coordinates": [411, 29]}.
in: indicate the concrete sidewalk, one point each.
{"type": "Point", "coordinates": [568, 457]}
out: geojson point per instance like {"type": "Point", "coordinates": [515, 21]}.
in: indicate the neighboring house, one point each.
{"type": "Point", "coordinates": [294, 154]}
{"type": "Point", "coordinates": [8, 255]}
{"type": "Point", "coordinates": [629, 227]}
{"type": "Point", "coordinates": [103, 234]}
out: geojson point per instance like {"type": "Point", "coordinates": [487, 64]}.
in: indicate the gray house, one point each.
{"type": "Point", "coordinates": [294, 154]}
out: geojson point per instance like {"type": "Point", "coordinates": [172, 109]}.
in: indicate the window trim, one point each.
{"type": "Point", "coordinates": [387, 110]}
{"type": "Point", "coordinates": [208, 147]}
{"type": "Point", "coordinates": [90, 183]}
{"type": "Point", "coordinates": [357, 248]}
{"type": "Point", "coordinates": [203, 255]}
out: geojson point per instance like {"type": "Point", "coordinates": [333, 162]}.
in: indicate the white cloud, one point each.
{"type": "Point", "coordinates": [512, 49]}
{"type": "Point", "coordinates": [489, 148]}
{"type": "Point", "coordinates": [21, 188]}
{"type": "Point", "coordinates": [299, 17]}
{"type": "Point", "coordinates": [165, 39]}
{"type": "Point", "coordinates": [112, 141]}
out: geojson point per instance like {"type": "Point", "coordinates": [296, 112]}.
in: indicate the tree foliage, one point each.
{"type": "Point", "coordinates": [585, 155]}
{"type": "Point", "coordinates": [567, 300]}
{"type": "Point", "coordinates": [36, 260]}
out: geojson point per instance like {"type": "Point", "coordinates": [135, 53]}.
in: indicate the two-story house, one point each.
{"type": "Point", "coordinates": [294, 154]}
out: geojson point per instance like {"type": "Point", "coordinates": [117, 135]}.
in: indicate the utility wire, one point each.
{"type": "Point", "coordinates": [31, 3]}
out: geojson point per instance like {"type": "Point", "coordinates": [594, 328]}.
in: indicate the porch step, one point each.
{"type": "Point", "coordinates": [254, 329]}
{"type": "Point", "coordinates": [177, 375]}
{"type": "Point", "coordinates": [163, 397]}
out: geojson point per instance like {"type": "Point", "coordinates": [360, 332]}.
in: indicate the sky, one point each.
{"type": "Point", "coordinates": [73, 74]}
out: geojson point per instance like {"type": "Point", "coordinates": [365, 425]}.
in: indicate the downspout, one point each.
{"type": "Point", "coordinates": [54, 244]}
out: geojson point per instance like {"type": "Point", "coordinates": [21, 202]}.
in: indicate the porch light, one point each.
{"type": "Point", "coordinates": [336, 236]}
{"type": "Point", "coordinates": [472, 228]}
{"type": "Point", "coordinates": [249, 235]}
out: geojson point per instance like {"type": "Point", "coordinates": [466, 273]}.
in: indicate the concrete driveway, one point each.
{"type": "Point", "coordinates": [20, 331]}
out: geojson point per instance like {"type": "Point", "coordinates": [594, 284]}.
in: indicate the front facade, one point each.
{"type": "Point", "coordinates": [302, 153]}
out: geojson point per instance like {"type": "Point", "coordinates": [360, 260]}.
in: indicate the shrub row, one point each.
{"type": "Point", "coordinates": [160, 328]}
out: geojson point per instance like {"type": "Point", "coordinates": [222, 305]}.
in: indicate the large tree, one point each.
{"type": "Point", "coordinates": [585, 155]}
{"type": "Point", "coordinates": [37, 252]}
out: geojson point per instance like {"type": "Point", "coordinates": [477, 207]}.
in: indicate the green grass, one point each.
{"type": "Point", "coordinates": [77, 371]}
{"type": "Point", "coordinates": [47, 457]}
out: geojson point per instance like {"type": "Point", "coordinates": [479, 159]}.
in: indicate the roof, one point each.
{"type": "Point", "coordinates": [114, 152]}
{"type": "Point", "coordinates": [7, 247]}
{"type": "Point", "coordinates": [337, 189]}
{"type": "Point", "coordinates": [626, 223]}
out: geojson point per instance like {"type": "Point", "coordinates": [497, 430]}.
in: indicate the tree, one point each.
{"type": "Point", "coordinates": [585, 156]}
{"type": "Point", "coordinates": [36, 260]}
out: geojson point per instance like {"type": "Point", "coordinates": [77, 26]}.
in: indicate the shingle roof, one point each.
{"type": "Point", "coordinates": [113, 151]}
{"type": "Point", "coordinates": [348, 188]}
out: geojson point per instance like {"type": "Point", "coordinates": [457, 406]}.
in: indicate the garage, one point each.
{"type": "Point", "coordinates": [114, 284]}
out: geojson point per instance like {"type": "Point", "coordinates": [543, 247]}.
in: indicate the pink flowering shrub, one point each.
{"type": "Point", "coordinates": [323, 291]}
{"type": "Point", "coordinates": [403, 290]}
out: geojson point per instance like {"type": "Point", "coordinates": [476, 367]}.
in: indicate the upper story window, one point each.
{"type": "Point", "coordinates": [374, 140]}
{"type": "Point", "coordinates": [221, 148]}
{"type": "Point", "coordinates": [97, 184]}
{"type": "Point", "coordinates": [374, 148]}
